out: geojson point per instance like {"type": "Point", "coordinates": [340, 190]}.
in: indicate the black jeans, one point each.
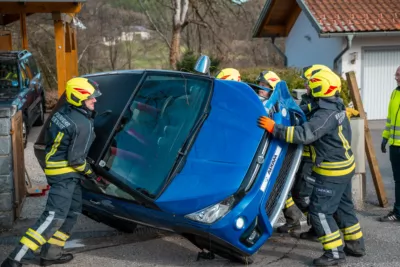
{"type": "Point", "coordinates": [395, 161]}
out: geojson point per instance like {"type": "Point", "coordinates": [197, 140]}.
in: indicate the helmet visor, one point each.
{"type": "Point", "coordinates": [96, 93]}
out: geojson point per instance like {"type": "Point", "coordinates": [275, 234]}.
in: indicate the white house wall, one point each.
{"type": "Point", "coordinates": [356, 51]}
{"type": "Point", "coordinates": [304, 47]}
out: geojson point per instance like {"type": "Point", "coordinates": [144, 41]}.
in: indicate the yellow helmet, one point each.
{"type": "Point", "coordinates": [324, 83]}
{"type": "Point", "coordinates": [229, 74]}
{"type": "Point", "coordinates": [269, 77]}
{"type": "Point", "coordinates": [307, 71]}
{"type": "Point", "coordinates": [80, 89]}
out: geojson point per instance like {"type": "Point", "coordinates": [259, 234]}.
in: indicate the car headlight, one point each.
{"type": "Point", "coordinates": [212, 213]}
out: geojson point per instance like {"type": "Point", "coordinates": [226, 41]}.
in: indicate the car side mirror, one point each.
{"type": "Point", "coordinates": [203, 65]}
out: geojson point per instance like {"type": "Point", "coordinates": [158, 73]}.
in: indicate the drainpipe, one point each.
{"type": "Point", "coordinates": [279, 51]}
{"type": "Point", "coordinates": [335, 61]}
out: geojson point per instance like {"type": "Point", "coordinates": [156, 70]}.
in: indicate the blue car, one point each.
{"type": "Point", "coordinates": [182, 152]}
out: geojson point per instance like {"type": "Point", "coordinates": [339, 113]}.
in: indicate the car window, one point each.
{"type": "Point", "coordinates": [9, 77]}
{"type": "Point", "coordinates": [26, 67]}
{"type": "Point", "coordinates": [107, 188]}
{"type": "Point", "coordinates": [153, 129]}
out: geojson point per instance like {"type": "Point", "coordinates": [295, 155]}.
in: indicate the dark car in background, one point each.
{"type": "Point", "coordinates": [21, 88]}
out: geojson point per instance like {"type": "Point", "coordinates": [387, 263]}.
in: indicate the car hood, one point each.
{"type": "Point", "coordinates": [222, 152]}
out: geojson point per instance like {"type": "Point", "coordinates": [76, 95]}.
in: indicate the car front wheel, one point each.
{"type": "Point", "coordinates": [24, 134]}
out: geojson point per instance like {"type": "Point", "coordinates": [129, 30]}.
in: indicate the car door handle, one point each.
{"type": "Point", "coordinates": [94, 202]}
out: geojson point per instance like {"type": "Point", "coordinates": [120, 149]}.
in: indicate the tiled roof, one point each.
{"type": "Point", "coordinates": [355, 15]}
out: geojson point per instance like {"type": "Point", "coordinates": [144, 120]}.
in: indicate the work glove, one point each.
{"type": "Point", "coordinates": [383, 145]}
{"type": "Point", "coordinates": [266, 123]}
{"type": "Point", "coordinates": [91, 176]}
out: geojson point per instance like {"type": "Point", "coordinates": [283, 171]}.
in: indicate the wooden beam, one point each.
{"type": "Point", "coordinates": [24, 34]}
{"type": "Point", "coordinates": [269, 14]}
{"type": "Point", "coordinates": [39, 7]}
{"type": "Point", "coordinates": [59, 35]}
{"type": "Point", "coordinates": [369, 146]}
{"type": "Point", "coordinates": [275, 29]}
{"type": "Point", "coordinates": [74, 53]}
{"type": "Point", "coordinates": [68, 49]}
{"type": "Point", "coordinates": [296, 10]}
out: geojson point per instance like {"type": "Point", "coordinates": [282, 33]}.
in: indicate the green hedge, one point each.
{"type": "Point", "coordinates": [291, 76]}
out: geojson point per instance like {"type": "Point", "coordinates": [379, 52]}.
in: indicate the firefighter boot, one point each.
{"type": "Point", "coordinates": [309, 235]}
{"type": "Point", "coordinates": [63, 259]}
{"type": "Point", "coordinates": [354, 248]}
{"type": "Point", "coordinates": [10, 263]}
{"type": "Point", "coordinates": [292, 215]}
{"type": "Point", "coordinates": [328, 261]}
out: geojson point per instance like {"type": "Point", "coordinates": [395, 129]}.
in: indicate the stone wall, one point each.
{"type": "Point", "coordinates": [6, 171]}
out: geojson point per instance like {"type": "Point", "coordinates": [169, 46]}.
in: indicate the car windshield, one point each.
{"type": "Point", "coordinates": [154, 128]}
{"type": "Point", "coordinates": [8, 74]}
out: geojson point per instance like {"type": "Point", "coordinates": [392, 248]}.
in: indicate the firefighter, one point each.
{"type": "Point", "coordinates": [299, 197]}
{"type": "Point", "coordinates": [68, 139]}
{"type": "Point", "coordinates": [328, 133]}
{"type": "Point", "coordinates": [391, 135]}
{"type": "Point", "coordinates": [267, 79]}
{"type": "Point", "coordinates": [229, 74]}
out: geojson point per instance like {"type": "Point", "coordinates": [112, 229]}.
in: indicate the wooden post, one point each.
{"type": "Point", "coordinates": [59, 33]}
{"type": "Point", "coordinates": [68, 50]}
{"type": "Point", "coordinates": [24, 34]}
{"type": "Point", "coordinates": [371, 156]}
{"type": "Point", "coordinates": [74, 53]}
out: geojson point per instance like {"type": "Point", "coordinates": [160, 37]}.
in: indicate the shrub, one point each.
{"type": "Point", "coordinates": [291, 76]}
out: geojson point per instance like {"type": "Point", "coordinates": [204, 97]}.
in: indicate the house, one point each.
{"type": "Point", "coordinates": [129, 34]}
{"type": "Point", "coordinates": [346, 35]}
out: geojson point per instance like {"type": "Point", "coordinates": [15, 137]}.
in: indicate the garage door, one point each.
{"type": "Point", "coordinates": [378, 81]}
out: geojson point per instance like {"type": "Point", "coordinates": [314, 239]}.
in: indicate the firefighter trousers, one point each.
{"type": "Point", "coordinates": [395, 162]}
{"type": "Point", "coordinates": [299, 197]}
{"type": "Point", "coordinates": [331, 209]}
{"type": "Point", "coordinates": [53, 228]}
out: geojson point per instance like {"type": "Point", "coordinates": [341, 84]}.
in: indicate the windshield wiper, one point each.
{"type": "Point", "coordinates": [145, 192]}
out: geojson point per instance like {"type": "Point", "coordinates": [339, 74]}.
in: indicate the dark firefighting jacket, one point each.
{"type": "Point", "coordinates": [308, 105]}
{"type": "Point", "coordinates": [392, 129]}
{"type": "Point", "coordinates": [68, 139]}
{"type": "Point", "coordinates": [328, 133]}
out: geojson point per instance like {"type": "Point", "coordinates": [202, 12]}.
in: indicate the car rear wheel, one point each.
{"type": "Point", "coordinates": [40, 120]}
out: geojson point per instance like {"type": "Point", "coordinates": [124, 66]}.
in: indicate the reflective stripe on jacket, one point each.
{"type": "Point", "coordinates": [328, 133]}
{"type": "Point", "coordinates": [392, 129]}
{"type": "Point", "coordinates": [68, 139]}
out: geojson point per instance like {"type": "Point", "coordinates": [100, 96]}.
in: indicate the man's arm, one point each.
{"type": "Point", "coordinates": [322, 123]}
{"type": "Point", "coordinates": [76, 151]}
{"type": "Point", "coordinates": [386, 131]}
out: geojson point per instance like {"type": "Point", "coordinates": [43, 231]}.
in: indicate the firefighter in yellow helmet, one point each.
{"type": "Point", "coordinates": [298, 198]}
{"type": "Point", "coordinates": [328, 133]}
{"type": "Point", "coordinates": [267, 79]}
{"type": "Point", "coordinates": [229, 74]}
{"type": "Point", "coordinates": [69, 136]}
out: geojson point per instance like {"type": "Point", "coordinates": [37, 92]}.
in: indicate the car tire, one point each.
{"type": "Point", "coordinates": [24, 133]}
{"type": "Point", "coordinates": [123, 227]}
{"type": "Point", "coordinates": [40, 120]}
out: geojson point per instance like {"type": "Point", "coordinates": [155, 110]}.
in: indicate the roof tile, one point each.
{"type": "Point", "coordinates": [356, 15]}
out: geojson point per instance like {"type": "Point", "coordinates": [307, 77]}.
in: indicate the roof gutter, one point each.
{"type": "Point", "coordinates": [360, 34]}
{"type": "Point", "coordinates": [261, 18]}
{"type": "Point", "coordinates": [279, 51]}
{"type": "Point", "coordinates": [349, 42]}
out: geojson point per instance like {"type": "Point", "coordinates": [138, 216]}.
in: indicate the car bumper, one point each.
{"type": "Point", "coordinates": [259, 209]}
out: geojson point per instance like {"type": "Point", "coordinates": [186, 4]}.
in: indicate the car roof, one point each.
{"type": "Point", "coordinates": [141, 71]}
{"type": "Point", "coordinates": [16, 54]}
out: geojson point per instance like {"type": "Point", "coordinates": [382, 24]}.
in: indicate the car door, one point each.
{"type": "Point", "coordinates": [28, 94]}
